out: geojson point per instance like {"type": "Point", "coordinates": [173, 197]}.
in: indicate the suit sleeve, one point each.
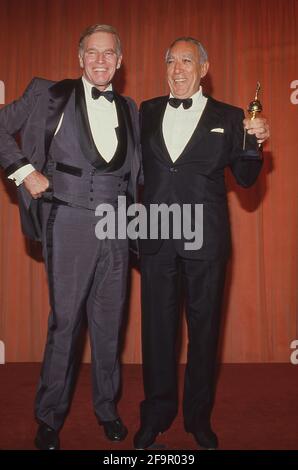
{"type": "Point", "coordinates": [136, 163]}
{"type": "Point", "coordinates": [245, 166]}
{"type": "Point", "coordinates": [141, 174]}
{"type": "Point", "coordinates": [12, 119]}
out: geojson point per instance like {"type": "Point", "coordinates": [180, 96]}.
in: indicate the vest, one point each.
{"type": "Point", "coordinates": [78, 173]}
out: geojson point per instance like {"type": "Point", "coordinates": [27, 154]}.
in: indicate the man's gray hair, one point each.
{"type": "Point", "coordinates": [202, 51]}
{"type": "Point", "coordinates": [95, 29]}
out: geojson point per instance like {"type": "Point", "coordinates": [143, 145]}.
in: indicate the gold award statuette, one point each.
{"type": "Point", "coordinates": [254, 108]}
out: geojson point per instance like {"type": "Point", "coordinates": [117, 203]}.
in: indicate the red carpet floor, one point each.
{"type": "Point", "coordinates": [256, 409]}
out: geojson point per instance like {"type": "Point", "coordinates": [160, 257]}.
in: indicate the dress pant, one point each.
{"type": "Point", "coordinates": [87, 279]}
{"type": "Point", "coordinates": [203, 281]}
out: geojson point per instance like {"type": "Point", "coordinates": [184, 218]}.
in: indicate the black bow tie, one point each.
{"type": "Point", "coordinates": [108, 95]}
{"type": "Point", "coordinates": [175, 102]}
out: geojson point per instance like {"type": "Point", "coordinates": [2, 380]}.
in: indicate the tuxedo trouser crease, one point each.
{"type": "Point", "coordinates": [87, 277]}
{"type": "Point", "coordinates": [203, 282]}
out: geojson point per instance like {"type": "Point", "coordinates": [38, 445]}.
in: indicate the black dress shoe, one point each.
{"type": "Point", "coordinates": [46, 438]}
{"type": "Point", "coordinates": [115, 430]}
{"type": "Point", "coordinates": [206, 439]}
{"type": "Point", "coordinates": [144, 438]}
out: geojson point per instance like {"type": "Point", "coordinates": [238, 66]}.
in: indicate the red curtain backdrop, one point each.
{"type": "Point", "coordinates": [247, 41]}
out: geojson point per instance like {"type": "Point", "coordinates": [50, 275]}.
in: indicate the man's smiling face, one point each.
{"type": "Point", "coordinates": [184, 70]}
{"type": "Point", "coordinates": [99, 59]}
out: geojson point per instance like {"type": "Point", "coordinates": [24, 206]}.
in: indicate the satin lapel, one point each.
{"type": "Point", "coordinates": [59, 94]}
{"type": "Point", "coordinates": [123, 109]}
{"type": "Point", "coordinates": [124, 123]}
{"type": "Point", "coordinates": [157, 139]}
{"type": "Point", "coordinates": [87, 143]}
{"type": "Point", "coordinates": [209, 119]}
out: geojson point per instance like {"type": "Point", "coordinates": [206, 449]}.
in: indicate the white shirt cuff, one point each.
{"type": "Point", "coordinates": [19, 175]}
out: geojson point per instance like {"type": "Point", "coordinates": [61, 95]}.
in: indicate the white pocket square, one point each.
{"type": "Point", "coordinates": [218, 129]}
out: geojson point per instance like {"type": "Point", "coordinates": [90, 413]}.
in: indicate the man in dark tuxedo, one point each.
{"type": "Point", "coordinates": [188, 139]}
{"type": "Point", "coordinates": [78, 149]}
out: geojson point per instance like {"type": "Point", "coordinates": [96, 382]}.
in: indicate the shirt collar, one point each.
{"type": "Point", "coordinates": [88, 87]}
{"type": "Point", "coordinates": [198, 99]}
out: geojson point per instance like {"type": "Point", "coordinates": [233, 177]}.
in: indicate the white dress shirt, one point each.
{"type": "Point", "coordinates": [103, 122]}
{"type": "Point", "coordinates": [179, 124]}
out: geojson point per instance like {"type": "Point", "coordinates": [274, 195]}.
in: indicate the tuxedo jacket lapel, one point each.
{"type": "Point", "coordinates": [124, 123]}
{"type": "Point", "coordinates": [124, 118]}
{"type": "Point", "coordinates": [85, 137]}
{"type": "Point", "coordinates": [59, 95]}
{"type": "Point", "coordinates": [209, 119]}
{"type": "Point", "coordinates": [157, 140]}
